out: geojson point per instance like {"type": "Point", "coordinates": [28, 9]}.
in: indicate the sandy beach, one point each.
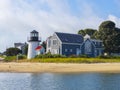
{"type": "Point", "coordinates": [58, 67]}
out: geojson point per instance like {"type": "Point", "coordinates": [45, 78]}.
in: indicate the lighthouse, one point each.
{"type": "Point", "coordinates": [33, 42]}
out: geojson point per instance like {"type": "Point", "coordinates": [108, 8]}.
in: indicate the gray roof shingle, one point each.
{"type": "Point", "coordinates": [70, 38]}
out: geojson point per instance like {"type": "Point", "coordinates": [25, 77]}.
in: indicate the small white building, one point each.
{"type": "Point", "coordinates": [21, 46]}
{"type": "Point", "coordinates": [40, 50]}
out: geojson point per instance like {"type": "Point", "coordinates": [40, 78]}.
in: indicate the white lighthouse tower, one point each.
{"type": "Point", "coordinates": [33, 42]}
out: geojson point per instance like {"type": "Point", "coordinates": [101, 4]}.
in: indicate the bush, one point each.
{"type": "Point", "coordinates": [14, 58]}
{"type": "Point", "coordinates": [21, 57]}
{"type": "Point", "coordinates": [109, 57]}
{"type": "Point", "coordinates": [48, 55]}
{"type": "Point", "coordinates": [83, 56]}
{"type": "Point", "coordinates": [12, 51]}
{"type": "Point", "coordinates": [73, 56]}
{"type": "Point", "coordinates": [80, 56]}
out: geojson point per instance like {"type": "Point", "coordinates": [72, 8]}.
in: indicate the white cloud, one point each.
{"type": "Point", "coordinates": [115, 19]}
{"type": "Point", "coordinates": [19, 17]}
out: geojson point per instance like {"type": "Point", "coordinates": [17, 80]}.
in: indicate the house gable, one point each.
{"type": "Point", "coordinates": [88, 48]}
{"type": "Point", "coordinates": [54, 44]}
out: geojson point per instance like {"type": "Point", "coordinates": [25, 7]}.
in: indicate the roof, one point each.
{"type": "Point", "coordinates": [34, 31]}
{"type": "Point", "coordinates": [38, 47]}
{"type": "Point", "coordinates": [87, 36]}
{"type": "Point", "coordinates": [19, 44]}
{"type": "Point", "coordinates": [70, 38]}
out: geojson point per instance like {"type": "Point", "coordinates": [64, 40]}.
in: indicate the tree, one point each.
{"type": "Point", "coordinates": [44, 45]}
{"type": "Point", "coordinates": [12, 51]}
{"type": "Point", "coordinates": [87, 31]}
{"type": "Point", "coordinates": [110, 35]}
{"type": "Point", "coordinates": [26, 49]}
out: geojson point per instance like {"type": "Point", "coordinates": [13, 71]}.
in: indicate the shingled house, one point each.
{"type": "Point", "coordinates": [73, 44]}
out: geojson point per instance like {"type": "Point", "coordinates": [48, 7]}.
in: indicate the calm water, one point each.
{"type": "Point", "coordinates": [53, 81]}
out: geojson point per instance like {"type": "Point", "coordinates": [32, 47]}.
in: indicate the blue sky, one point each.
{"type": "Point", "coordinates": [19, 17]}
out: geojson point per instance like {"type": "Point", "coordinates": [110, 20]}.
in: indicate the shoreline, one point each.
{"type": "Point", "coordinates": [59, 67]}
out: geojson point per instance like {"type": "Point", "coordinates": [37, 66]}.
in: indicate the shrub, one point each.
{"type": "Point", "coordinates": [14, 58]}
{"type": "Point", "coordinates": [109, 57]}
{"type": "Point", "coordinates": [21, 57]}
{"type": "Point", "coordinates": [48, 55]}
{"type": "Point", "coordinates": [73, 56]}
{"type": "Point", "coordinates": [10, 58]}
{"type": "Point", "coordinates": [80, 56]}
{"type": "Point", "coordinates": [83, 56]}
{"type": "Point", "coordinates": [12, 51]}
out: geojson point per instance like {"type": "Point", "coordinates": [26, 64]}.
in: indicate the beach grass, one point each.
{"type": "Point", "coordinates": [72, 60]}
{"type": "Point", "coordinates": [62, 59]}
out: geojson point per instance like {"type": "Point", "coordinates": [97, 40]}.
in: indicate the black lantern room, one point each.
{"type": "Point", "coordinates": [34, 36]}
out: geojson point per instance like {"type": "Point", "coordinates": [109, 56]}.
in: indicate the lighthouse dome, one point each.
{"type": "Point", "coordinates": [34, 36]}
{"type": "Point", "coordinates": [34, 31]}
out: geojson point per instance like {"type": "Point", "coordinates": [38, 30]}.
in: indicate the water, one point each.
{"type": "Point", "coordinates": [59, 81]}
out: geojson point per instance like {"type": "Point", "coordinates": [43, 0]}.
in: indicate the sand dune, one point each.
{"type": "Point", "coordinates": [59, 67]}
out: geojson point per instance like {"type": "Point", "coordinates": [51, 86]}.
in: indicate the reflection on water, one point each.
{"type": "Point", "coordinates": [59, 81]}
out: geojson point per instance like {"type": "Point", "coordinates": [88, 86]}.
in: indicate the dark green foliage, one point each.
{"type": "Point", "coordinates": [80, 56]}
{"type": "Point", "coordinates": [87, 31]}
{"type": "Point", "coordinates": [44, 45]}
{"type": "Point", "coordinates": [107, 24]}
{"type": "Point", "coordinates": [21, 57]}
{"type": "Point", "coordinates": [26, 49]}
{"type": "Point", "coordinates": [108, 57]}
{"type": "Point", "coordinates": [83, 56]}
{"type": "Point", "coordinates": [110, 35]}
{"type": "Point", "coordinates": [73, 56]}
{"type": "Point", "coordinates": [14, 58]}
{"type": "Point", "coordinates": [12, 51]}
{"type": "Point", "coordinates": [49, 55]}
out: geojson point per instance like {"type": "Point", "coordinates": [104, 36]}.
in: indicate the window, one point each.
{"type": "Point", "coordinates": [66, 50]}
{"type": "Point", "coordinates": [95, 43]}
{"type": "Point", "coordinates": [88, 48]}
{"type": "Point", "coordinates": [71, 50]}
{"type": "Point", "coordinates": [36, 35]}
{"type": "Point", "coordinates": [49, 43]}
{"type": "Point", "coordinates": [100, 43]}
{"type": "Point", "coordinates": [54, 42]}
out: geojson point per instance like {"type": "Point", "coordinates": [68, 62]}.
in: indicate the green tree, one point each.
{"type": "Point", "coordinates": [12, 51]}
{"type": "Point", "coordinates": [110, 35]}
{"type": "Point", "coordinates": [87, 31]}
{"type": "Point", "coordinates": [44, 45]}
{"type": "Point", "coordinates": [26, 50]}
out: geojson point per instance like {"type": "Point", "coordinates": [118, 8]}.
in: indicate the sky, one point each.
{"type": "Point", "coordinates": [19, 17]}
